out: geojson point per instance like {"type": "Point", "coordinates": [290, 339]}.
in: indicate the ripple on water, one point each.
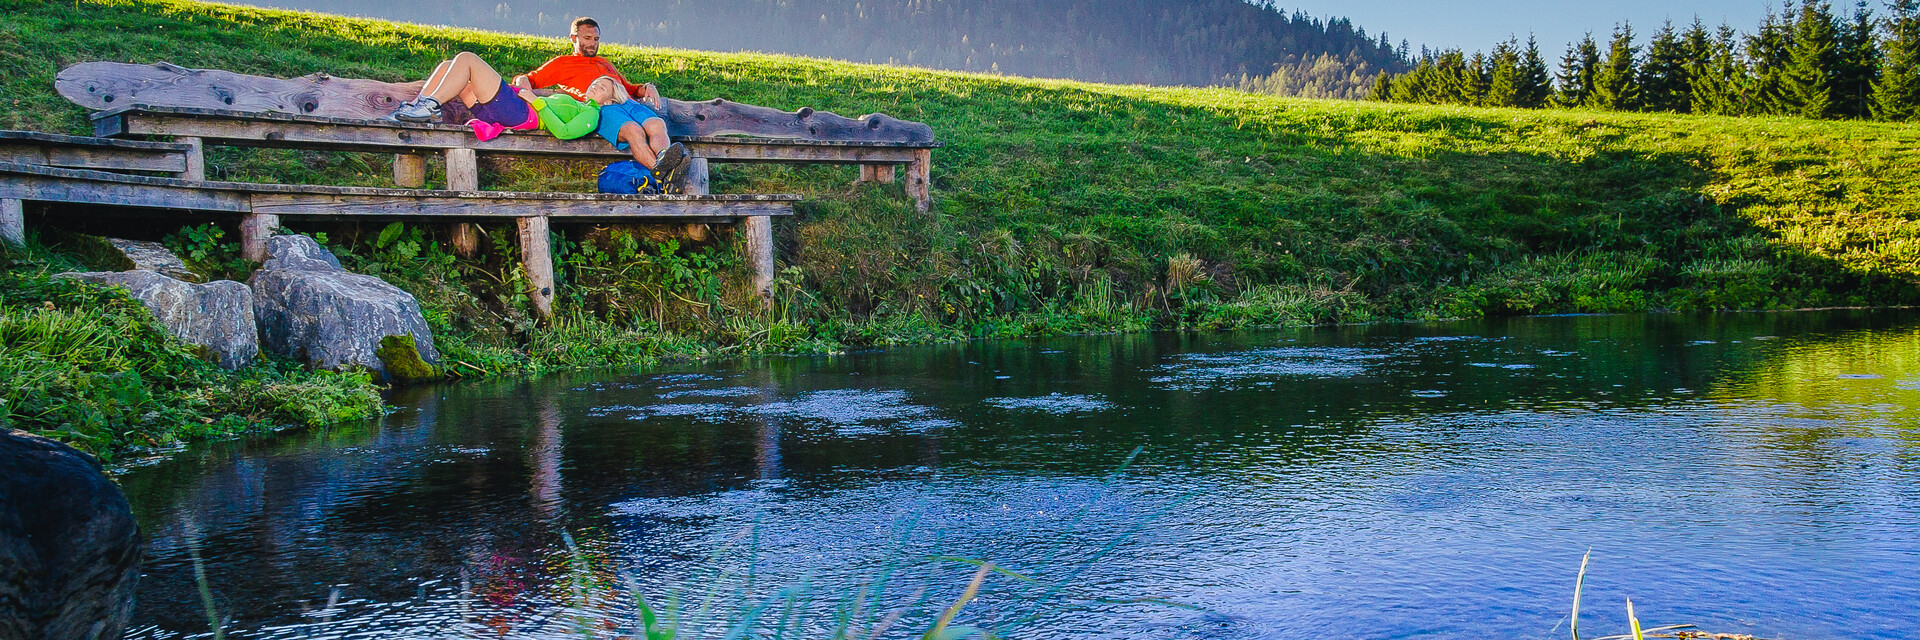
{"type": "Point", "coordinates": [1056, 403]}
{"type": "Point", "coordinates": [1198, 371]}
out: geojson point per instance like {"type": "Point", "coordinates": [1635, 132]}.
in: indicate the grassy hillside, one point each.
{"type": "Point", "coordinates": [1063, 206]}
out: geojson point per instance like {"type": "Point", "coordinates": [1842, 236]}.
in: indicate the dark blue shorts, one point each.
{"type": "Point", "coordinates": [506, 109]}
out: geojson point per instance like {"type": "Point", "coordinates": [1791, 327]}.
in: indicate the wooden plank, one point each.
{"type": "Point", "coordinates": [409, 170]}
{"type": "Point", "coordinates": [919, 176]}
{"type": "Point", "coordinates": [24, 137]}
{"type": "Point", "coordinates": [537, 258]}
{"type": "Point", "coordinates": [107, 85]}
{"type": "Point", "coordinates": [325, 134]}
{"type": "Point", "coordinates": [757, 234]}
{"type": "Point", "coordinates": [255, 229]}
{"type": "Point", "coordinates": [51, 188]}
{"type": "Point", "coordinates": [355, 205]}
{"type": "Point", "coordinates": [89, 156]}
{"type": "Point", "coordinates": [13, 221]}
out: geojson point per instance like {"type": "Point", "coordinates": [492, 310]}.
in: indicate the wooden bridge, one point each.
{"type": "Point", "coordinates": [52, 168]}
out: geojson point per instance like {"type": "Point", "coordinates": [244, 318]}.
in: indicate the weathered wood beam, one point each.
{"type": "Point", "coordinates": [463, 174]}
{"type": "Point", "coordinates": [536, 258]}
{"type": "Point", "coordinates": [107, 85]}
{"type": "Point", "coordinates": [196, 159]}
{"type": "Point", "coordinates": [919, 176]}
{"type": "Point", "coordinates": [13, 221]}
{"type": "Point", "coordinates": [756, 233]}
{"type": "Point", "coordinates": [881, 173]}
{"type": "Point", "coordinates": [255, 229]}
{"type": "Point", "coordinates": [409, 170]}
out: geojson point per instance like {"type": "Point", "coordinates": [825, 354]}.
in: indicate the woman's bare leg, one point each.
{"type": "Point", "coordinates": [467, 77]}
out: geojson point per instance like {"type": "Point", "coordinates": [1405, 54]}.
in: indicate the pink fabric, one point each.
{"type": "Point", "coordinates": [487, 131]}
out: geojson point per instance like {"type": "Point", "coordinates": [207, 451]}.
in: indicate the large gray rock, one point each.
{"type": "Point", "coordinates": [69, 547]}
{"type": "Point", "coordinates": [216, 315]}
{"type": "Point", "coordinates": [152, 256]}
{"type": "Point", "coordinates": [312, 310]}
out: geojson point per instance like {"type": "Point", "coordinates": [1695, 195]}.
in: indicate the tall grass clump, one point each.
{"type": "Point", "coordinates": [89, 366]}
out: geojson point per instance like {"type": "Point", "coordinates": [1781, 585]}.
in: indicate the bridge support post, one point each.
{"type": "Point", "coordinates": [536, 258]}
{"type": "Point", "coordinates": [918, 174]}
{"type": "Point", "coordinates": [13, 221]}
{"type": "Point", "coordinates": [196, 159]}
{"type": "Point", "coordinates": [255, 229]}
{"type": "Point", "coordinates": [756, 233]}
{"type": "Point", "coordinates": [698, 182]}
{"type": "Point", "coordinates": [463, 174]}
{"type": "Point", "coordinates": [409, 170]}
{"type": "Point", "coordinates": [881, 173]}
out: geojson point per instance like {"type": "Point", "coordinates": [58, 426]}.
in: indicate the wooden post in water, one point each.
{"type": "Point", "coordinates": [756, 232]}
{"type": "Point", "coordinates": [463, 174]}
{"type": "Point", "coordinates": [881, 173]}
{"type": "Point", "coordinates": [255, 228]}
{"type": "Point", "coordinates": [196, 159]}
{"type": "Point", "coordinates": [918, 174]}
{"type": "Point", "coordinates": [13, 221]}
{"type": "Point", "coordinates": [409, 170]}
{"type": "Point", "coordinates": [537, 259]}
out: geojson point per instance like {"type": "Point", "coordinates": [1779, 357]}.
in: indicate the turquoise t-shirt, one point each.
{"type": "Point", "coordinates": [614, 116]}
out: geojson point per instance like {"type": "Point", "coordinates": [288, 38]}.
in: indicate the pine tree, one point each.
{"type": "Point", "coordinates": [1664, 82]}
{"type": "Point", "coordinates": [1382, 87]}
{"type": "Point", "coordinates": [1896, 94]}
{"type": "Point", "coordinates": [1769, 51]}
{"type": "Point", "coordinates": [1503, 75]}
{"type": "Point", "coordinates": [1577, 70]}
{"type": "Point", "coordinates": [1809, 77]}
{"type": "Point", "coordinates": [1535, 84]}
{"type": "Point", "coordinates": [1718, 77]}
{"type": "Point", "coordinates": [1858, 65]}
{"type": "Point", "coordinates": [1616, 85]}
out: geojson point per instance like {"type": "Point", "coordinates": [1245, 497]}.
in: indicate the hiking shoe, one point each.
{"type": "Point", "coordinates": [422, 109]}
{"type": "Point", "coordinates": [668, 167]}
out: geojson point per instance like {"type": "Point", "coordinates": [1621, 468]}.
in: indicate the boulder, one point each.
{"type": "Point", "coordinates": [312, 310]}
{"type": "Point", "coordinates": [151, 256]}
{"type": "Point", "coordinates": [69, 547]}
{"type": "Point", "coordinates": [216, 315]}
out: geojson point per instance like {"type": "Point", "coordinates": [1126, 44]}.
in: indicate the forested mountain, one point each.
{"type": "Point", "coordinates": [1186, 42]}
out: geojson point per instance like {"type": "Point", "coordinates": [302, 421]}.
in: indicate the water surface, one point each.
{"type": "Point", "coordinates": [1749, 473]}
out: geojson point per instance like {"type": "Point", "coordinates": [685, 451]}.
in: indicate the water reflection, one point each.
{"type": "Point", "coordinates": [1755, 473]}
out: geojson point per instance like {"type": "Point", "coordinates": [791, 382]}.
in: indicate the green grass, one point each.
{"type": "Point", "coordinates": [1067, 207]}
{"type": "Point", "coordinates": [89, 366]}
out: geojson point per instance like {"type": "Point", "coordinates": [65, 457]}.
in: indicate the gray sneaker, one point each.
{"type": "Point", "coordinates": [671, 163]}
{"type": "Point", "coordinates": [422, 109]}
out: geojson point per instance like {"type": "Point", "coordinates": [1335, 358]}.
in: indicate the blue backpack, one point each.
{"type": "Point", "coordinates": [629, 177]}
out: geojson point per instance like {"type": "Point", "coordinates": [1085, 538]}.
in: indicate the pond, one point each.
{"type": "Point", "coordinates": [1753, 473]}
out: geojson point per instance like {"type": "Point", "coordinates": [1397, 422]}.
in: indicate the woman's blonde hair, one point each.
{"type": "Point", "coordinates": [620, 95]}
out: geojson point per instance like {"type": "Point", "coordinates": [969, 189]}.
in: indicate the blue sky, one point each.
{"type": "Point", "coordinates": [1477, 25]}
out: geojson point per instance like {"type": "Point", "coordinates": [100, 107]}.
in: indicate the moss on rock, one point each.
{"type": "Point", "coordinates": [403, 360]}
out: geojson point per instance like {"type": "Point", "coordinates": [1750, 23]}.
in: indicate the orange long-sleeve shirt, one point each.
{"type": "Point", "coordinates": [572, 74]}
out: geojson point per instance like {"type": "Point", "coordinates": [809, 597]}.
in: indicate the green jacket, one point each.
{"type": "Point", "coordinates": [565, 117]}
